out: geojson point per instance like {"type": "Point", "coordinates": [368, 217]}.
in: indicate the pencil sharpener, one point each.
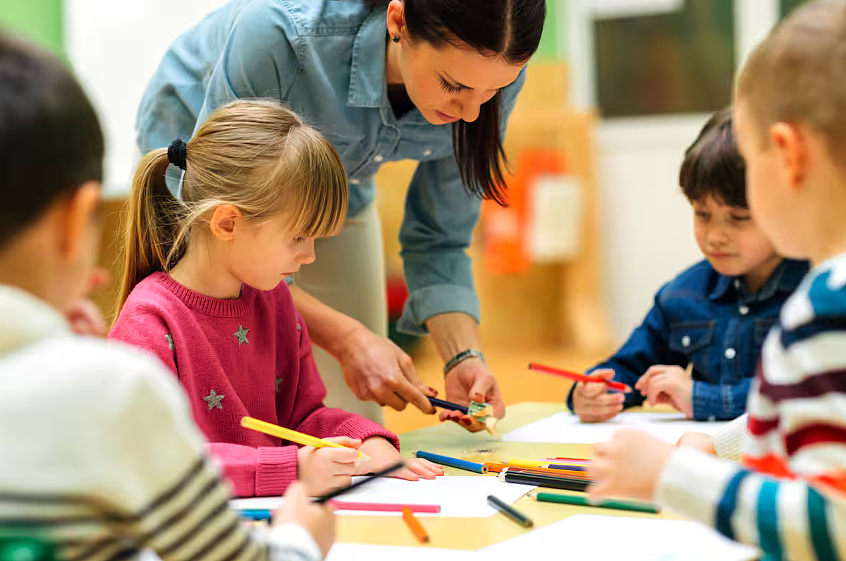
{"type": "Point", "coordinates": [483, 413]}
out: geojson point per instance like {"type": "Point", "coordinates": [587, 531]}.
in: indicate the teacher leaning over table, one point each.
{"type": "Point", "coordinates": [427, 80]}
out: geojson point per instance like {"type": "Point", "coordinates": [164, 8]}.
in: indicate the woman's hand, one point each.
{"type": "Point", "coordinates": [375, 369]}
{"type": "Point", "coordinates": [471, 380]}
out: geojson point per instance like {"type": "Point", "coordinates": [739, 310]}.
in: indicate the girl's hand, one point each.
{"type": "Point", "coordinates": [318, 520]}
{"type": "Point", "coordinates": [325, 469]}
{"type": "Point", "coordinates": [382, 454]}
{"type": "Point", "coordinates": [628, 466]}
{"type": "Point", "coordinates": [593, 403]}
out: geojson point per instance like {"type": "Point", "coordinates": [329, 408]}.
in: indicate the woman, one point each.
{"type": "Point", "coordinates": [381, 80]}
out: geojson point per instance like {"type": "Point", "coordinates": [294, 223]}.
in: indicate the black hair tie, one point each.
{"type": "Point", "coordinates": [177, 153]}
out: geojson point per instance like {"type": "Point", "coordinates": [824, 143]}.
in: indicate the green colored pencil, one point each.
{"type": "Point", "coordinates": [582, 501]}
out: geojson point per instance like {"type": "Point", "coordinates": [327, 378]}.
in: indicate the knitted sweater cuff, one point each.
{"type": "Point", "coordinates": [276, 468]}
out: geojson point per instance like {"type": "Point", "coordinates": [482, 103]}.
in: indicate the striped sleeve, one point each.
{"type": "Point", "coordinates": [178, 504]}
{"type": "Point", "coordinates": [790, 499]}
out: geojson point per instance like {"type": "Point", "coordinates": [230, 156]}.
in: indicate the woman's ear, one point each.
{"type": "Point", "coordinates": [225, 221]}
{"type": "Point", "coordinates": [81, 210]}
{"type": "Point", "coordinates": [396, 18]}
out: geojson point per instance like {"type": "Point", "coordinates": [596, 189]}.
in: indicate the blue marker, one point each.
{"type": "Point", "coordinates": [451, 462]}
{"type": "Point", "coordinates": [256, 514]}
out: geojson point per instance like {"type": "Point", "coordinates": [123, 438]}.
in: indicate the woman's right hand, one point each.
{"type": "Point", "coordinates": [375, 369]}
{"type": "Point", "coordinates": [593, 403]}
{"type": "Point", "coordinates": [318, 520]}
{"type": "Point", "coordinates": [325, 469]}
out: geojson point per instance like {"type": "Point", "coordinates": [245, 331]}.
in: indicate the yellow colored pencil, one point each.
{"type": "Point", "coordinates": [292, 435]}
{"type": "Point", "coordinates": [528, 463]}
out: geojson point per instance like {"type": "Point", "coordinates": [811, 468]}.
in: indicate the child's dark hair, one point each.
{"type": "Point", "coordinates": [51, 141]}
{"type": "Point", "coordinates": [712, 165]}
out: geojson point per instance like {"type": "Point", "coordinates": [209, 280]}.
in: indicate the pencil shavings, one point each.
{"type": "Point", "coordinates": [483, 413]}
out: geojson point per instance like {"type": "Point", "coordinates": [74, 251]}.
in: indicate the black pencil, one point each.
{"type": "Point", "coordinates": [510, 511]}
{"type": "Point", "coordinates": [542, 480]}
{"type": "Point", "coordinates": [343, 490]}
{"type": "Point", "coordinates": [448, 405]}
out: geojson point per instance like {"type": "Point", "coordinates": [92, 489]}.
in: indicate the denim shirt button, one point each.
{"type": "Point", "coordinates": [378, 158]}
{"type": "Point", "coordinates": [744, 310]}
{"type": "Point", "coordinates": [427, 153]}
{"type": "Point", "coordinates": [354, 181]}
{"type": "Point", "coordinates": [730, 353]}
{"type": "Point", "coordinates": [685, 341]}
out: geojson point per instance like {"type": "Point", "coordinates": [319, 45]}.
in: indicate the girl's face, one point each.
{"type": "Point", "coordinates": [263, 254]}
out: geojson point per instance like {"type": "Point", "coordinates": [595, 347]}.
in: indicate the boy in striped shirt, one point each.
{"type": "Point", "coordinates": [100, 458]}
{"type": "Point", "coordinates": [788, 497]}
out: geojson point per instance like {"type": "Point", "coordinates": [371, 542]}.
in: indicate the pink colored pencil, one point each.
{"type": "Point", "coordinates": [385, 507]}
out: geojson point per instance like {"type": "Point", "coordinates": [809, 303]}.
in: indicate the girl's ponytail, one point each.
{"type": "Point", "coordinates": [152, 230]}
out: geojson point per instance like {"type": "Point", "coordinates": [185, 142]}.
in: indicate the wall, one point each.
{"type": "Point", "coordinates": [646, 223]}
{"type": "Point", "coordinates": [38, 20]}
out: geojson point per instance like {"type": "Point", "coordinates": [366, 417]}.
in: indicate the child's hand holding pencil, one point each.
{"type": "Point", "coordinates": [317, 519]}
{"type": "Point", "coordinates": [381, 453]}
{"type": "Point", "coordinates": [328, 468]}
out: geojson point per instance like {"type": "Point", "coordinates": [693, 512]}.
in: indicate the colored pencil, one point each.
{"type": "Point", "coordinates": [450, 406]}
{"type": "Point", "coordinates": [292, 435]}
{"type": "Point", "coordinates": [451, 462]}
{"type": "Point", "coordinates": [582, 501]}
{"type": "Point", "coordinates": [415, 526]}
{"type": "Point", "coordinates": [618, 386]}
{"type": "Point", "coordinates": [266, 514]}
{"type": "Point", "coordinates": [510, 511]}
{"type": "Point", "coordinates": [541, 480]}
{"type": "Point", "coordinates": [369, 479]}
{"type": "Point", "coordinates": [493, 467]}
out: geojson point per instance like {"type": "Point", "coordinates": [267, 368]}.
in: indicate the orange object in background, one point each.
{"type": "Point", "coordinates": [507, 230]}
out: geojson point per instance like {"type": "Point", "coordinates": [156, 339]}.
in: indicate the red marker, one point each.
{"type": "Point", "coordinates": [618, 386]}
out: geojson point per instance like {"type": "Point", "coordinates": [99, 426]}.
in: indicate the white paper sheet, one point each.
{"type": "Point", "coordinates": [361, 552]}
{"type": "Point", "coordinates": [459, 496]}
{"type": "Point", "coordinates": [632, 539]}
{"type": "Point", "coordinates": [566, 428]}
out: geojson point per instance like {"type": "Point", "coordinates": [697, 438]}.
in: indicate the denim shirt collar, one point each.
{"type": "Point", "coordinates": [367, 70]}
{"type": "Point", "coordinates": [785, 278]}
{"type": "Point", "coordinates": [368, 88]}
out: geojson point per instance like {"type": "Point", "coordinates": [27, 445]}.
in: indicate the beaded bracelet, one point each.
{"type": "Point", "coordinates": [461, 357]}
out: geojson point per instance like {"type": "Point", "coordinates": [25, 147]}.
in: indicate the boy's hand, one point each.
{"type": "Point", "coordinates": [593, 403]}
{"type": "Point", "coordinates": [318, 520]}
{"type": "Point", "coordinates": [382, 454]}
{"type": "Point", "coordinates": [325, 469]}
{"type": "Point", "coordinates": [628, 465]}
{"type": "Point", "coordinates": [698, 441]}
{"type": "Point", "coordinates": [668, 384]}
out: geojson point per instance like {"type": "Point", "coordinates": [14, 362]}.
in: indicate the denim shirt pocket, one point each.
{"type": "Point", "coordinates": [693, 340]}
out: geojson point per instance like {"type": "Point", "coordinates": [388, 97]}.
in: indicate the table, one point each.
{"type": "Point", "coordinates": [474, 533]}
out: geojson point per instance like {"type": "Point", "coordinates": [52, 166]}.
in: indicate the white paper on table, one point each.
{"type": "Point", "coordinates": [362, 552]}
{"type": "Point", "coordinates": [459, 497]}
{"type": "Point", "coordinates": [565, 428]}
{"type": "Point", "coordinates": [632, 539]}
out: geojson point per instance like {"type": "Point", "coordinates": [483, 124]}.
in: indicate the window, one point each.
{"type": "Point", "coordinates": [681, 61]}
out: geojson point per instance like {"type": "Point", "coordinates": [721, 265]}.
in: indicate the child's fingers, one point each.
{"type": "Point", "coordinates": [339, 456]}
{"type": "Point", "coordinates": [405, 473]}
{"type": "Point", "coordinates": [643, 384]}
{"type": "Point", "coordinates": [425, 469]}
{"type": "Point", "coordinates": [345, 441]}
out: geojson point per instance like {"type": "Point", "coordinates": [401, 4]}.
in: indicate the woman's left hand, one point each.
{"type": "Point", "coordinates": [381, 454]}
{"type": "Point", "coordinates": [471, 380]}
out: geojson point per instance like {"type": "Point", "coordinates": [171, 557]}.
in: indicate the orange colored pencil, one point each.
{"type": "Point", "coordinates": [414, 525]}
